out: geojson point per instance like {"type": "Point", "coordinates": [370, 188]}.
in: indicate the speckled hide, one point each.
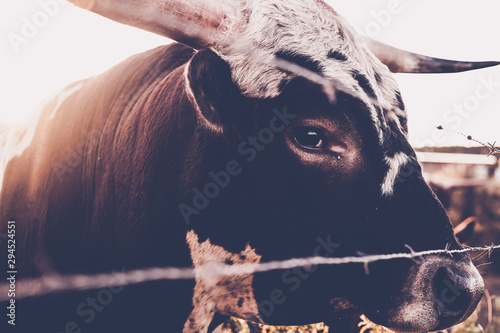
{"type": "Point", "coordinates": [228, 295]}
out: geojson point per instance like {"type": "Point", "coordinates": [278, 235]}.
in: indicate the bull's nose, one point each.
{"type": "Point", "coordinates": [456, 295]}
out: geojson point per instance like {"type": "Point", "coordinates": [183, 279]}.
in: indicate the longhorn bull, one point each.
{"type": "Point", "coordinates": [283, 107]}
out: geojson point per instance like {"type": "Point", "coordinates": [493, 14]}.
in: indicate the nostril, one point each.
{"type": "Point", "coordinates": [452, 295]}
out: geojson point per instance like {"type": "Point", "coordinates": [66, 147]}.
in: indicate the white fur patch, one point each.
{"type": "Point", "coordinates": [393, 116]}
{"type": "Point", "coordinates": [17, 138]}
{"type": "Point", "coordinates": [311, 28]}
{"type": "Point", "coordinates": [227, 295]}
{"type": "Point", "coordinates": [395, 164]}
{"type": "Point", "coordinates": [64, 95]}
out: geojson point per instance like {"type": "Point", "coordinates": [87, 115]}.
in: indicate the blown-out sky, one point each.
{"type": "Point", "coordinates": [47, 44]}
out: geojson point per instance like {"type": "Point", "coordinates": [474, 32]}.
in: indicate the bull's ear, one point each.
{"type": "Point", "coordinates": [212, 88]}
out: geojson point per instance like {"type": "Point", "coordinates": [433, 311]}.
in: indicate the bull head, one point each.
{"type": "Point", "coordinates": [206, 24]}
{"type": "Point", "coordinates": [346, 173]}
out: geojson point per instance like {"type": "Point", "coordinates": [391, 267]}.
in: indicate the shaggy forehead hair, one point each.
{"type": "Point", "coordinates": [311, 29]}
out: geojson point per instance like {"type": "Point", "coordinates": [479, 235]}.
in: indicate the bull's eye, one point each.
{"type": "Point", "coordinates": [309, 137]}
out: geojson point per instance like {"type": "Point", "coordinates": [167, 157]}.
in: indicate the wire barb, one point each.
{"type": "Point", "coordinates": [413, 254]}
{"type": "Point", "coordinates": [365, 264]}
{"type": "Point", "coordinates": [447, 248]}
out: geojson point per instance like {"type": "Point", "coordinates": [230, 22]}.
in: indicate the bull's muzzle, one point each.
{"type": "Point", "coordinates": [439, 293]}
{"type": "Point", "coordinates": [457, 292]}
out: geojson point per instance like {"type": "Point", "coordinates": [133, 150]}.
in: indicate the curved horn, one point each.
{"type": "Point", "coordinates": [202, 23]}
{"type": "Point", "coordinates": [196, 23]}
{"type": "Point", "coordinates": [400, 61]}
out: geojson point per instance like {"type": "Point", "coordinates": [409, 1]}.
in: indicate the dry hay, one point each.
{"type": "Point", "coordinates": [235, 325]}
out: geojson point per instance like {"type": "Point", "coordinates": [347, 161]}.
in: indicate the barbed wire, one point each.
{"type": "Point", "coordinates": [55, 283]}
{"type": "Point", "coordinates": [491, 146]}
